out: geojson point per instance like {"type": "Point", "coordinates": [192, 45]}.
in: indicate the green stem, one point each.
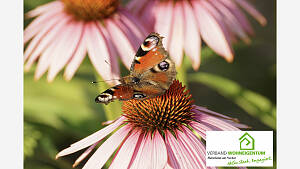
{"type": "Point", "coordinates": [182, 74]}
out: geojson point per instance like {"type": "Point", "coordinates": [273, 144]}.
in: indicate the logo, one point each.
{"type": "Point", "coordinates": [246, 142]}
{"type": "Point", "coordinates": [239, 148]}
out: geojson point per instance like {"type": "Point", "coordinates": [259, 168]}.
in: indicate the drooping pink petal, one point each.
{"type": "Point", "coordinates": [240, 16]}
{"type": "Point", "coordinates": [92, 139]}
{"type": "Point", "coordinates": [84, 154]}
{"type": "Point", "coordinates": [47, 56]}
{"type": "Point", "coordinates": [135, 6]}
{"type": "Point", "coordinates": [192, 40]}
{"type": "Point", "coordinates": [77, 58]}
{"type": "Point", "coordinates": [143, 158]}
{"type": "Point", "coordinates": [132, 25]}
{"type": "Point", "coordinates": [49, 7]}
{"type": "Point", "coordinates": [163, 20]}
{"type": "Point", "coordinates": [45, 42]}
{"type": "Point", "coordinates": [196, 156]}
{"type": "Point", "coordinates": [231, 21]}
{"type": "Point", "coordinates": [103, 153]}
{"type": "Point", "coordinates": [98, 51]}
{"type": "Point", "coordinates": [136, 21]}
{"type": "Point", "coordinates": [159, 152]}
{"type": "Point", "coordinates": [212, 31]}
{"type": "Point", "coordinates": [38, 24]}
{"type": "Point", "coordinates": [115, 72]}
{"type": "Point", "coordinates": [121, 42]}
{"type": "Point", "coordinates": [46, 27]}
{"type": "Point", "coordinates": [125, 153]}
{"type": "Point", "coordinates": [131, 36]}
{"type": "Point", "coordinates": [176, 43]}
{"type": "Point", "coordinates": [176, 154]}
{"type": "Point", "coordinates": [66, 50]}
{"type": "Point", "coordinates": [252, 11]}
{"type": "Point", "coordinates": [146, 15]}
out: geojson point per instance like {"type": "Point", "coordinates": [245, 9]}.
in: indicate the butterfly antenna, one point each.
{"type": "Point", "coordinates": [103, 81]}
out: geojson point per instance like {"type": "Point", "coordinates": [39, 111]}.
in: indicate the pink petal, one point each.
{"type": "Point", "coordinates": [142, 158]}
{"type": "Point", "coordinates": [131, 36]}
{"type": "Point", "coordinates": [112, 51]}
{"type": "Point", "coordinates": [45, 41]}
{"type": "Point", "coordinates": [92, 139]}
{"type": "Point", "coordinates": [231, 21]}
{"type": "Point", "coordinates": [196, 155]}
{"type": "Point", "coordinates": [133, 25]}
{"type": "Point", "coordinates": [252, 11]}
{"type": "Point", "coordinates": [103, 153]}
{"type": "Point", "coordinates": [212, 31]}
{"type": "Point", "coordinates": [137, 22]}
{"type": "Point", "coordinates": [218, 123]}
{"type": "Point", "coordinates": [159, 152]}
{"type": "Point", "coordinates": [124, 48]}
{"type": "Point", "coordinates": [195, 142]}
{"type": "Point", "coordinates": [125, 153]}
{"type": "Point", "coordinates": [65, 49]}
{"type": "Point", "coordinates": [176, 43]}
{"type": "Point", "coordinates": [146, 15]}
{"type": "Point", "coordinates": [135, 6]}
{"type": "Point", "coordinates": [98, 51]}
{"type": "Point", "coordinates": [192, 40]}
{"type": "Point", "coordinates": [47, 56]}
{"type": "Point", "coordinates": [168, 166]}
{"type": "Point", "coordinates": [200, 129]}
{"type": "Point", "coordinates": [163, 20]}
{"type": "Point", "coordinates": [177, 156]}
{"type": "Point", "coordinates": [84, 154]}
{"type": "Point", "coordinates": [232, 121]}
{"type": "Point", "coordinates": [78, 57]}
{"type": "Point", "coordinates": [238, 14]}
{"type": "Point", "coordinates": [48, 26]}
{"type": "Point", "coordinates": [38, 23]}
{"type": "Point", "coordinates": [48, 7]}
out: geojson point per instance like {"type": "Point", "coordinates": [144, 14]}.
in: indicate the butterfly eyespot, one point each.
{"type": "Point", "coordinates": [150, 43]}
{"type": "Point", "coordinates": [163, 65]}
{"type": "Point", "coordinates": [135, 80]}
{"type": "Point", "coordinates": [139, 96]}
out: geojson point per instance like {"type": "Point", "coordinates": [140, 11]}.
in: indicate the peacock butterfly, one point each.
{"type": "Point", "coordinates": [151, 74]}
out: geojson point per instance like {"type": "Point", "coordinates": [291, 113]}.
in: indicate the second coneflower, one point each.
{"type": "Point", "coordinates": [155, 133]}
{"type": "Point", "coordinates": [188, 23]}
{"type": "Point", "coordinates": [63, 32]}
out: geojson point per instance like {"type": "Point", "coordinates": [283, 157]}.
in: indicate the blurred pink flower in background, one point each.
{"type": "Point", "coordinates": [186, 23]}
{"type": "Point", "coordinates": [155, 133]}
{"type": "Point", "coordinates": [63, 32]}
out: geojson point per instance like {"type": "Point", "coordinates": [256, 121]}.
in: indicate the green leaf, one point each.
{"type": "Point", "coordinates": [253, 103]}
{"type": "Point", "coordinates": [31, 137]}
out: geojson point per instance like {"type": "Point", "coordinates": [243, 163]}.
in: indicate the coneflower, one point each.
{"type": "Point", "coordinates": [155, 133]}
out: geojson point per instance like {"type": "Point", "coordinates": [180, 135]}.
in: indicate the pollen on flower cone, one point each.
{"type": "Point", "coordinates": [91, 9]}
{"type": "Point", "coordinates": [165, 112]}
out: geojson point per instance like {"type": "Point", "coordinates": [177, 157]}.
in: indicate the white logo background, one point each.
{"type": "Point", "coordinates": [220, 143]}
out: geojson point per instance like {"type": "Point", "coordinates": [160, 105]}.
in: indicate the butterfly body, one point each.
{"type": "Point", "coordinates": [151, 74]}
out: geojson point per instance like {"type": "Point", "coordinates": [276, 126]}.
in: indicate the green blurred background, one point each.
{"type": "Point", "coordinates": [60, 113]}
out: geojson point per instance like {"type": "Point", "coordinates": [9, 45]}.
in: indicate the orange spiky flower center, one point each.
{"type": "Point", "coordinates": [166, 112]}
{"type": "Point", "coordinates": [91, 9]}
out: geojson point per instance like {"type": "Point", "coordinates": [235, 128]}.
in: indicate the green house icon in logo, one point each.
{"type": "Point", "coordinates": [246, 142]}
